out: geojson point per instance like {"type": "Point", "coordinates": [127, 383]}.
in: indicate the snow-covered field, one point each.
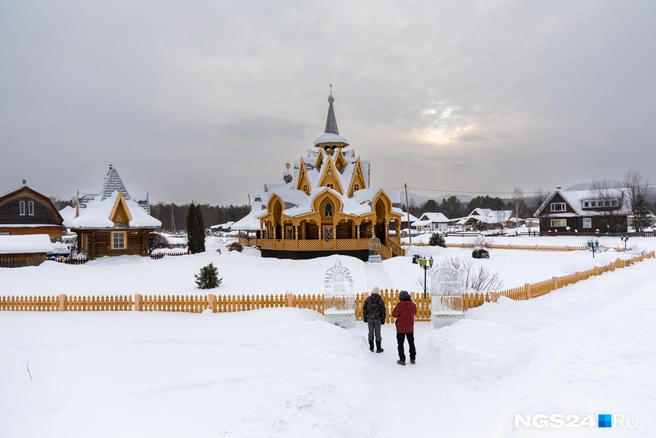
{"type": "Point", "coordinates": [248, 273]}
{"type": "Point", "coordinates": [584, 349]}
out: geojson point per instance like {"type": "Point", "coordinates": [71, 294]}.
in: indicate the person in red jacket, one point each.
{"type": "Point", "coordinates": [405, 312]}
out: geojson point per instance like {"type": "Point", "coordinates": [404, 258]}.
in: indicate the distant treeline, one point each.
{"type": "Point", "coordinates": [174, 217]}
{"type": "Point", "coordinates": [453, 207]}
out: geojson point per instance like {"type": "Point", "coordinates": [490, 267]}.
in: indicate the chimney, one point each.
{"type": "Point", "coordinates": [24, 182]}
{"type": "Point", "coordinates": [111, 167]}
{"type": "Point", "coordinates": [557, 187]}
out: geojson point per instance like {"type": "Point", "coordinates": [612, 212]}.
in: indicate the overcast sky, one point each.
{"type": "Point", "coordinates": [208, 100]}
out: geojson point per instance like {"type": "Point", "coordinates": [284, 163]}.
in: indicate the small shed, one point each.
{"type": "Point", "coordinates": [24, 250]}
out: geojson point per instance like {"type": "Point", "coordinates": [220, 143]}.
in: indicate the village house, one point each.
{"type": "Point", "coordinates": [432, 222]}
{"type": "Point", "coordinates": [325, 205]}
{"type": "Point", "coordinates": [584, 212]}
{"type": "Point", "coordinates": [110, 222]}
{"type": "Point", "coordinates": [487, 219]}
{"type": "Point", "coordinates": [25, 211]}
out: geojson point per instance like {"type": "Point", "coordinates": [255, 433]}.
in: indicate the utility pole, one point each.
{"type": "Point", "coordinates": [249, 200]}
{"type": "Point", "coordinates": [407, 210]}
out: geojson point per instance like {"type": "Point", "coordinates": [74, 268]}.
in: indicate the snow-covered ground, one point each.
{"type": "Point", "coordinates": [585, 349]}
{"type": "Point", "coordinates": [247, 273]}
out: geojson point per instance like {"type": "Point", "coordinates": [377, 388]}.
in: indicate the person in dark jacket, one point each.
{"type": "Point", "coordinates": [405, 312]}
{"type": "Point", "coordinates": [374, 313]}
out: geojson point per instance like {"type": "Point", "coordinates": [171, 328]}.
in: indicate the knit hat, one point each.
{"type": "Point", "coordinates": [375, 290]}
{"type": "Point", "coordinates": [404, 296]}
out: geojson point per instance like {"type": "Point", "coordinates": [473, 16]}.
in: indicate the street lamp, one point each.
{"type": "Point", "coordinates": [593, 245]}
{"type": "Point", "coordinates": [624, 239]}
{"type": "Point", "coordinates": [423, 263]}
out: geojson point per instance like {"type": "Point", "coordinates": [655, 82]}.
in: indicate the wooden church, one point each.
{"type": "Point", "coordinates": [325, 205]}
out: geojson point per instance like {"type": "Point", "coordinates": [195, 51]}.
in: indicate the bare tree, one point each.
{"type": "Point", "coordinates": [475, 279]}
{"type": "Point", "coordinates": [609, 205]}
{"type": "Point", "coordinates": [637, 187]}
{"type": "Point", "coordinates": [517, 195]}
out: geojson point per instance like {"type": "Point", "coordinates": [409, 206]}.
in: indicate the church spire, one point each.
{"type": "Point", "coordinates": [331, 121]}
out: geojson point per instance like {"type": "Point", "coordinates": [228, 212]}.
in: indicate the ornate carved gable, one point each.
{"type": "Point", "coordinates": [319, 161]}
{"type": "Point", "coordinates": [303, 182]}
{"type": "Point", "coordinates": [340, 161]}
{"type": "Point", "coordinates": [330, 176]}
{"type": "Point", "coordinates": [357, 179]}
{"type": "Point", "coordinates": [121, 213]}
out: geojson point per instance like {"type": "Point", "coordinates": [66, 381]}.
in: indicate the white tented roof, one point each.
{"type": "Point", "coordinates": [25, 244]}
{"type": "Point", "coordinates": [328, 137]}
{"type": "Point", "coordinates": [97, 212]}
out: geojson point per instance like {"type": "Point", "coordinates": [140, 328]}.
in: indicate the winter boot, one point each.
{"type": "Point", "coordinates": [412, 361]}
{"type": "Point", "coordinates": [401, 362]}
{"type": "Point", "coordinates": [378, 347]}
{"type": "Point", "coordinates": [371, 345]}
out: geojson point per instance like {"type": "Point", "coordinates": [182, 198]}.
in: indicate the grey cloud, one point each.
{"type": "Point", "coordinates": [210, 100]}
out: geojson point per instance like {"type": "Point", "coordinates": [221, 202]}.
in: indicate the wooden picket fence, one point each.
{"type": "Point", "coordinates": [547, 248]}
{"type": "Point", "coordinates": [534, 290]}
{"type": "Point", "coordinates": [316, 302]}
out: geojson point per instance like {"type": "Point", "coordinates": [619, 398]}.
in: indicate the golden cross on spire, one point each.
{"type": "Point", "coordinates": [331, 88]}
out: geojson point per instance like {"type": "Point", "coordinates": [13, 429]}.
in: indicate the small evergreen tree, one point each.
{"type": "Point", "coordinates": [437, 240]}
{"type": "Point", "coordinates": [208, 277]}
{"type": "Point", "coordinates": [200, 229]}
{"type": "Point", "coordinates": [192, 229]}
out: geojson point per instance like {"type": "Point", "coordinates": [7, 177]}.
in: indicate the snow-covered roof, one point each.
{"type": "Point", "coordinates": [113, 183]}
{"type": "Point", "coordinates": [225, 226]}
{"type": "Point", "coordinates": [434, 217]}
{"type": "Point", "coordinates": [97, 212]}
{"type": "Point", "coordinates": [404, 218]}
{"type": "Point", "coordinates": [25, 244]}
{"type": "Point", "coordinates": [327, 137]}
{"type": "Point", "coordinates": [67, 213]}
{"type": "Point", "coordinates": [11, 190]}
{"type": "Point", "coordinates": [575, 199]}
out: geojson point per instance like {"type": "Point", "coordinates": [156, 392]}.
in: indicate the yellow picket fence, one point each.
{"type": "Point", "coordinates": [534, 290]}
{"type": "Point", "coordinates": [316, 302]}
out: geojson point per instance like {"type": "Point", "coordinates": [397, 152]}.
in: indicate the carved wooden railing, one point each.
{"type": "Point", "coordinates": [396, 249]}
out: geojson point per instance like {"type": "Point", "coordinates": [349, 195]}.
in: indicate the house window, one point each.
{"type": "Point", "coordinates": [30, 208]}
{"type": "Point", "coordinates": [118, 240]}
{"type": "Point", "coordinates": [328, 210]}
{"type": "Point", "coordinates": [586, 204]}
{"type": "Point", "coordinates": [606, 203]}
{"type": "Point", "coordinates": [613, 203]}
{"type": "Point", "coordinates": [356, 187]}
{"type": "Point", "coordinates": [558, 223]}
{"type": "Point", "coordinates": [330, 186]}
{"type": "Point", "coordinates": [21, 208]}
{"type": "Point", "coordinates": [557, 206]}
{"type": "Point", "coordinates": [587, 222]}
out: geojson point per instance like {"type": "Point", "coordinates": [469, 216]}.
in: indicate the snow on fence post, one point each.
{"type": "Point", "coordinates": [138, 303]}
{"type": "Point", "coordinates": [211, 302]}
{"type": "Point", "coordinates": [494, 296]}
{"type": "Point", "coordinates": [62, 302]}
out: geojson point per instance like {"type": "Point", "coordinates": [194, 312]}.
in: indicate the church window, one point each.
{"type": "Point", "coordinates": [328, 233]}
{"type": "Point", "coordinates": [330, 186]}
{"type": "Point", "coordinates": [356, 187]}
{"type": "Point", "coordinates": [305, 188]}
{"type": "Point", "coordinates": [328, 210]}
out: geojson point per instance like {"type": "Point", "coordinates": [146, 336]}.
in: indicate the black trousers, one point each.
{"type": "Point", "coordinates": [400, 339]}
